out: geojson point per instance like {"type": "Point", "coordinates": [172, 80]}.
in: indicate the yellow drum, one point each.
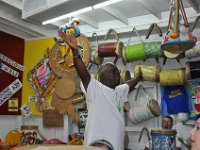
{"type": "Point", "coordinates": [149, 73]}
{"type": "Point", "coordinates": [172, 77]}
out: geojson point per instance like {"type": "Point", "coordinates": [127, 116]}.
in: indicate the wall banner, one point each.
{"type": "Point", "coordinates": [11, 62]}
{"type": "Point", "coordinates": [9, 91]}
{"type": "Point", "coordinates": [9, 70]}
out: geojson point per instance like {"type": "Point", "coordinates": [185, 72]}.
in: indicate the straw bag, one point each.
{"type": "Point", "coordinates": [144, 109]}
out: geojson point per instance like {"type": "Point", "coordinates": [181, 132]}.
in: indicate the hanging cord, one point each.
{"type": "Point", "coordinates": [184, 14]}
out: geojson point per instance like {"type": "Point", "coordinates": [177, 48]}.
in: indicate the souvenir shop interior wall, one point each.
{"type": "Point", "coordinates": [35, 74]}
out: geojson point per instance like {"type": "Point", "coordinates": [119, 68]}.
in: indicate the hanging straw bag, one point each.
{"type": "Point", "coordinates": [144, 109]}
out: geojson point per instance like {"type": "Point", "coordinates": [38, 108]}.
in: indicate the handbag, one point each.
{"type": "Point", "coordinates": [144, 109]}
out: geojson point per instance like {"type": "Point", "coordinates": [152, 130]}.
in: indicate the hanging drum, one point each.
{"type": "Point", "coordinates": [192, 69]}
{"type": "Point", "coordinates": [124, 76]}
{"type": "Point", "coordinates": [149, 73]}
{"type": "Point", "coordinates": [173, 41]}
{"type": "Point", "coordinates": [152, 49]}
{"type": "Point", "coordinates": [134, 52]}
{"type": "Point", "coordinates": [172, 77]}
{"type": "Point", "coordinates": [111, 49]}
{"type": "Point", "coordinates": [194, 52]}
{"type": "Point", "coordinates": [163, 139]}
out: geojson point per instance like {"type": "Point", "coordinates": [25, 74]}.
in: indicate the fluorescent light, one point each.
{"type": "Point", "coordinates": [106, 3]}
{"type": "Point", "coordinates": [68, 15]}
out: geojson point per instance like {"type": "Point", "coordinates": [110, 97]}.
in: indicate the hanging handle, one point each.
{"type": "Point", "coordinates": [154, 26]}
{"type": "Point", "coordinates": [138, 90]}
{"type": "Point", "coordinates": [132, 32]}
{"type": "Point", "coordinates": [141, 133]}
{"type": "Point", "coordinates": [96, 36]}
{"type": "Point", "coordinates": [112, 31]}
{"type": "Point", "coordinates": [195, 23]}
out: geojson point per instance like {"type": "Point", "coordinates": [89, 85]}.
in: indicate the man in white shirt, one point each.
{"type": "Point", "coordinates": [104, 98]}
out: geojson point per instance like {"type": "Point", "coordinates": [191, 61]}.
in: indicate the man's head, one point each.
{"type": "Point", "coordinates": [109, 75]}
{"type": "Point", "coordinates": [167, 122]}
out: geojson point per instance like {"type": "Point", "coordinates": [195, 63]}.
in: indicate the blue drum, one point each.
{"type": "Point", "coordinates": [163, 139]}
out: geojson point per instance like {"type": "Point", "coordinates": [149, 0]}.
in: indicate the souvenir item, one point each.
{"type": "Point", "coordinates": [172, 77]}
{"type": "Point", "coordinates": [143, 109]}
{"type": "Point", "coordinates": [13, 137]}
{"type": "Point", "coordinates": [149, 73]}
{"type": "Point", "coordinates": [111, 49]}
{"type": "Point", "coordinates": [173, 41]}
{"type": "Point", "coordinates": [163, 139]}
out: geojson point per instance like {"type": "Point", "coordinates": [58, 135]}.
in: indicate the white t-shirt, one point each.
{"type": "Point", "coordinates": [105, 113]}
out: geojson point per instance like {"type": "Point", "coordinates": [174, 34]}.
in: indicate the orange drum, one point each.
{"type": "Point", "coordinates": [172, 77]}
{"type": "Point", "coordinates": [149, 73]}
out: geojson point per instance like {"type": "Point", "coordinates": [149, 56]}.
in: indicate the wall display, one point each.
{"type": "Point", "coordinates": [12, 67]}
{"type": "Point", "coordinates": [43, 81]}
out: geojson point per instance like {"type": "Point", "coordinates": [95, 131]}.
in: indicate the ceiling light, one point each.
{"type": "Point", "coordinates": [106, 3]}
{"type": "Point", "coordinates": [67, 15]}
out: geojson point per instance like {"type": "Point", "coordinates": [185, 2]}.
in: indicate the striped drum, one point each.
{"type": "Point", "coordinates": [172, 77]}
{"type": "Point", "coordinates": [149, 73]}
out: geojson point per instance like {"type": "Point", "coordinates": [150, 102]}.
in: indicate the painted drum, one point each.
{"type": "Point", "coordinates": [149, 73]}
{"type": "Point", "coordinates": [163, 139]}
{"type": "Point", "coordinates": [110, 49]}
{"type": "Point", "coordinates": [152, 49]}
{"type": "Point", "coordinates": [192, 69]}
{"type": "Point", "coordinates": [135, 52]}
{"type": "Point", "coordinates": [172, 77]}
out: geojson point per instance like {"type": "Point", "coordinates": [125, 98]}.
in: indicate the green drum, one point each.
{"type": "Point", "coordinates": [152, 49]}
{"type": "Point", "coordinates": [135, 52]}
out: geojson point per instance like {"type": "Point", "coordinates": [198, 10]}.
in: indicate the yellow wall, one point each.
{"type": "Point", "coordinates": [33, 53]}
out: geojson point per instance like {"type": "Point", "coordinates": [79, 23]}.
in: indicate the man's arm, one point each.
{"type": "Point", "coordinates": [134, 81]}
{"type": "Point", "coordinates": [78, 63]}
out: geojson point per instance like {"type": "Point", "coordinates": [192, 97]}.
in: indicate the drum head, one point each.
{"type": "Point", "coordinates": [65, 88]}
{"type": "Point", "coordinates": [154, 107]}
{"type": "Point", "coordinates": [170, 55]}
{"type": "Point", "coordinates": [167, 132]}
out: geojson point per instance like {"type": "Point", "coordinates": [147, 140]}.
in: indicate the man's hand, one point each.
{"type": "Point", "coordinates": [139, 75]}
{"type": "Point", "coordinates": [69, 39]}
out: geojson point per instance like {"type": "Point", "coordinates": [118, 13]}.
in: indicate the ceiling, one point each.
{"type": "Point", "coordinates": [24, 18]}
